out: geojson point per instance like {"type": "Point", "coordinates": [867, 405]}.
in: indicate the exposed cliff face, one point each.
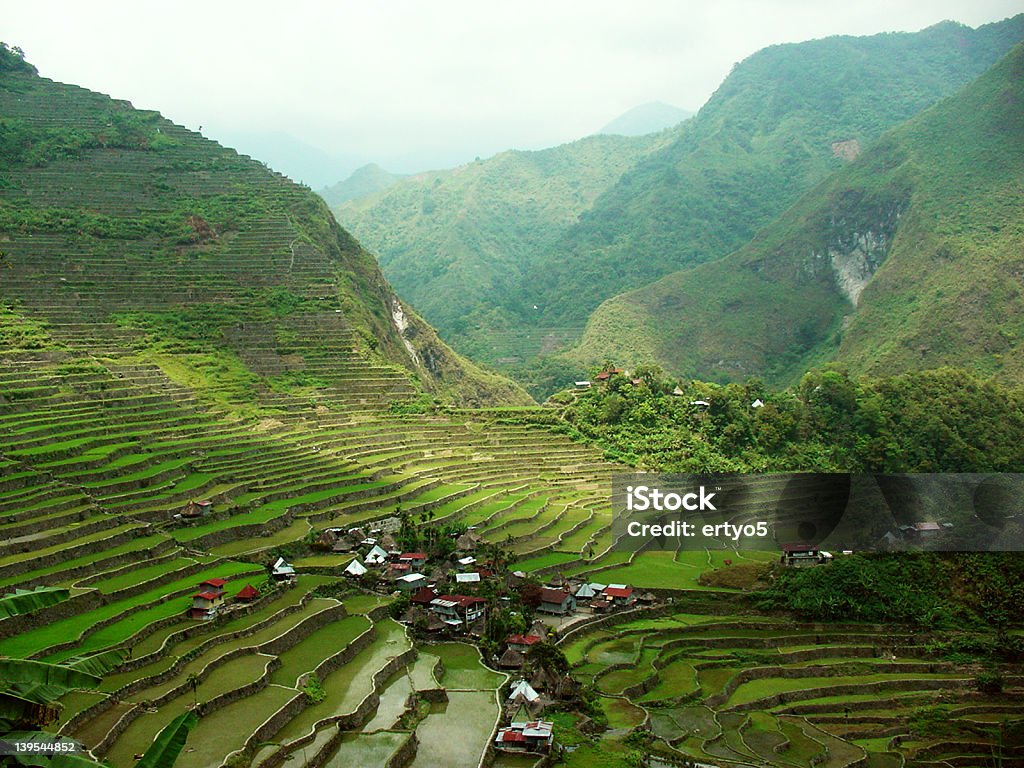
{"type": "Point", "coordinates": [859, 240]}
{"type": "Point", "coordinates": [853, 268]}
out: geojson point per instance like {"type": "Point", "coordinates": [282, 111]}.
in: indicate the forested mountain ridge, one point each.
{"type": "Point", "coordinates": [505, 285]}
{"type": "Point", "coordinates": [784, 119]}
{"type": "Point", "coordinates": [459, 243]}
{"type": "Point", "coordinates": [907, 259]}
{"type": "Point", "coordinates": [362, 182]}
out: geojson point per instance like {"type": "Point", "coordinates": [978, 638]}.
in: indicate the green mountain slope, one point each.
{"type": "Point", "coordinates": [458, 243]}
{"type": "Point", "coordinates": [509, 257]}
{"type": "Point", "coordinates": [910, 258]}
{"type": "Point", "coordinates": [782, 121]}
{"type": "Point", "coordinates": [113, 215]}
{"type": "Point", "coordinates": [363, 181]}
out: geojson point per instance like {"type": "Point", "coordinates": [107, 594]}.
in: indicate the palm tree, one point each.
{"type": "Point", "coordinates": [193, 681]}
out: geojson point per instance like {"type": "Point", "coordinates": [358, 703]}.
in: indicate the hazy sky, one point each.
{"type": "Point", "coordinates": [418, 84]}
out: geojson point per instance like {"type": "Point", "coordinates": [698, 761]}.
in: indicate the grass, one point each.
{"type": "Point", "coordinates": [350, 683]}
{"type": "Point", "coordinates": [43, 574]}
{"type": "Point", "coordinates": [676, 679]}
{"type": "Point", "coordinates": [463, 668]}
{"type": "Point", "coordinates": [324, 642]}
{"type": "Point", "coordinates": [758, 689]}
{"type": "Point", "coordinates": [659, 570]}
{"type": "Point", "coordinates": [38, 639]}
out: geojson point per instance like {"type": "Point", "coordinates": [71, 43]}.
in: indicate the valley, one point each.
{"type": "Point", "coordinates": [255, 512]}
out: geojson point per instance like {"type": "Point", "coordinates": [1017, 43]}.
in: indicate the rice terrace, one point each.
{"type": "Point", "coordinates": [255, 513]}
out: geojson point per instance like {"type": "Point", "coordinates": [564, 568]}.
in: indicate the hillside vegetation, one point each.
{"type": "Point", "coordinates": [363, 181]}
{"type": "Point", "coordinates": [646, 118]}
{"type": "Point", "coordinates": [509, 257]}
{"type": "Point", "coordinates": [114, 215]}
{"type": "Point", "coordinates": [945, 420]}
{"type": "Point", "coordinates": [906, 259]}
{"type": "Point", "coordinates": [461, 244]}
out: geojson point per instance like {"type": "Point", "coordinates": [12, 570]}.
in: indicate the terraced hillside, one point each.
{"type": "Point", "coordinates": [750, 690]}
{"type": "Point", "coordinates": [119, 226]}
{"type": "Point", "coordinates": [179, 323]}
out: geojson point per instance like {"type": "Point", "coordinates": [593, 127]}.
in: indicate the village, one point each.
{"type": "Point", "coordinates": [458, 587]}
{"type": "Point", "coordinates": [446, 583]}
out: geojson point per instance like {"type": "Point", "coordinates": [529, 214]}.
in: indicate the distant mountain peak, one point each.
{"type": "Point", "coordinates": [646, 118]}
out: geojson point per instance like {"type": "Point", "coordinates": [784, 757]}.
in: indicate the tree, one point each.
{"type": "Point", "coordinates": [548, 657]}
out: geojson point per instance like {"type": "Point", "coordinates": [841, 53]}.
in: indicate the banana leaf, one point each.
{"type": "Point", "coordinates": [169, 743]}
{"type": "Point", "coordinates": [27, 600]}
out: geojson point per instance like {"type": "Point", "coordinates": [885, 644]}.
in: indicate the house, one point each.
{"type": "Point", "coordinates": [411, 582]}
{"type": "Point", "coordinates": [605, 375]}
{"type": "Point", "coordinates": [522, 643]}
{"type": "Point", "coordinates": [465, 562]}
{"type": "Point", "coordinates": [582, 384]}
{"type": "Point", "coordinates": [343, 546]}
{"type": "Point", "coordinates": [926, 530]}
{"type": "Point", "coordinates": [524, 691]}
{"type": "Point", "coordinates": [208, 600]}
{"type": "Point", "coordinates": [205, 605]}
{"type": "Point", "coordinates": [390, 524]}
{"type": "Point", "coordinates": [557, 601]}
{"type": "Point", "coordinates": [511, 659]}
{"type": "Point", "coordinates": [413, 558]}
{"type": "Point", "coordinates": [213, 585]}
{"type": "Point", "coordinates": [759, 403]}
{"type": "Point", "coordinates": [355, 569]}
{"type": "Point", "coordinates": [247, 594]}
{"type": "Point", "coordinates": [532, 736]}
{"type": "Point", "coordinates": [467, 578]}
{"type": "Point", "coordinates": [376, 556]}
{"type": "Point", "coordinates": [538, 628]}
{"type": "Point", "coordinates": [589, 591]}
{"type": "Point", "coordinates": [467, 542]}
{"type": "Point", "coordinates": [620, 595]}
{"type": "Point", "coordinates": [282, 570]}
{"type": "Point", "coordinates": [458, 610]}
{"type": "Point", "coordinates": [799, 555]}
{"type": "Point", "coordinates": [397, 570]}
{"type": "Point", "coordinates": [195, 509]}
{"type": "Point", "coordinates": [701, 403]}
{"type": "Point", "coordinates": [423, 596]}
{"type": "Point", "coordinates": [678, 391]}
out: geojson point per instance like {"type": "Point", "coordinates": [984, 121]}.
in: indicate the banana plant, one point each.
{"type": "Point", "coordinates": [26, 700]}
{"type": "Point", "coordinates": [27, 600]}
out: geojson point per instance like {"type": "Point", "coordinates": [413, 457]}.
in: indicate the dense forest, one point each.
{"type": "Point", "coordinates": [945, 420]}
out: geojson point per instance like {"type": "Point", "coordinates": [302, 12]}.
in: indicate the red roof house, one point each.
{"type": "Point", "coordinates": [212, 585]}
{"type": "Point", "coordinates": [522, 642]}
{"type": "Point", "coordinates": [423, 596]}
{"type": "Point", "coordinates": [248, 593]}
{"type": "Point", "coordinates": [557, 601]}
{"type": "Point", "coordinates": [619, 595]}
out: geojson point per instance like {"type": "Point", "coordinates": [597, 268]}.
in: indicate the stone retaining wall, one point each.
{"type": "Point", "coordinates": [405, 754]}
